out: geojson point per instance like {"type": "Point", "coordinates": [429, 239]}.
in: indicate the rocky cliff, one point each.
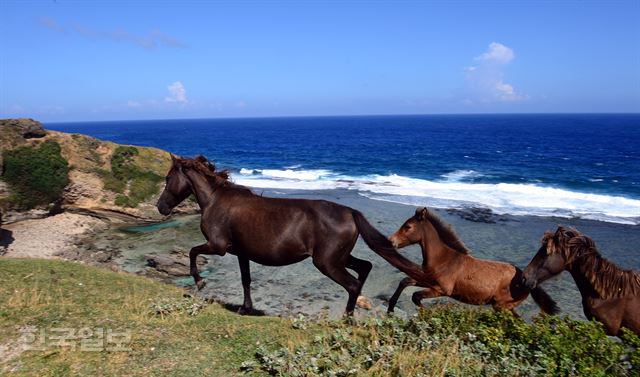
{"type": "Point", "coordinates": [104, 178]}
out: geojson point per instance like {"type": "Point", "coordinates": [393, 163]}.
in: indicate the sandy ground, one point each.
{"type": "Point", "coordinates": [48, 237]}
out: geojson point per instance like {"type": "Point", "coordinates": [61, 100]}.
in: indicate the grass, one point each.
{"type": "Point", "coordinates": [174, 335]}
{"type": "Point", "coordinates": [53, 294]}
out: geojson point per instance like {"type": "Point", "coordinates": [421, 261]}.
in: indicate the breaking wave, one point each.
{"type": "Point", "coordinates": [454, 190]}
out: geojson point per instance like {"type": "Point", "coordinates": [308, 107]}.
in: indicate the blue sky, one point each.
{"type": "Point", "coordinates": [74, 61]}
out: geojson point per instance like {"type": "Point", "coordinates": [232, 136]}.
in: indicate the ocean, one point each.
{"type": "Point", "coordinates": [584, 166]}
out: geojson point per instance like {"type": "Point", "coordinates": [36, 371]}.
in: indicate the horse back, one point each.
{"type": "Point", "coordinates": [275, 231]}
{"type": "Point", "coordinates": [484, 279]}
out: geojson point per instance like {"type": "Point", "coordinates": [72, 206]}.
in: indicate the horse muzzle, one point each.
{"type": "Point", "coordinates": [163, 209]}
{"type": "Point", "coordinates": [395, 242]}
{"type": "Point", "coordinates": [529, 283]}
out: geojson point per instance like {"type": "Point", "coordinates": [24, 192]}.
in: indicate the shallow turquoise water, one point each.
{"type": "Point", "coordinates": [148, 228]}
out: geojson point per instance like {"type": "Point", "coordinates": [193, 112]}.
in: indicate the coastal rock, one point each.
{"type": "Point", "coordinates": [33, 214]}
{"type": "Point", "coordinates": [175, 264]}
{"type": "Point", "coordinates": [29, 128]}
{"type": "Point", "coordinates": [477, 214]}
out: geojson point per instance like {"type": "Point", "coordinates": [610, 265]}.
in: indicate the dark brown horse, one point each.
{"type": "Point", "coordinates": [454, 273]}
{"type": "Point", "coordinates": [275, 232]}
{"type": "Point", "coordinates": [609, 294]}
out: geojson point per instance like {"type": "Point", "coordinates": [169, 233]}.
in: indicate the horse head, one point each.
{"type": "Point", "coordinates": [411, 231]}
{"type": "Point", "coordinates": [551, 258]}
{"type": "Point", "coordinates": [176, 189]}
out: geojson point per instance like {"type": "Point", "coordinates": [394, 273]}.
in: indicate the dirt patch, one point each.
{"type": "Point", "coordinates": [48, 237]}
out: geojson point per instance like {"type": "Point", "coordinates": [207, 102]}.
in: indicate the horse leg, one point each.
{"type": "Point", "coordinates": [245, 273]}
{"type": "Point", "coordinates": [340, 275]}
{"type": "Point", "coordinates": [417, 297]}
{"type": "Point", "coordinates": [361, 266]}
{"type": "Point", "coordinates": [207, 249]}
{"type": "Point", "coordinates": [404, 283]}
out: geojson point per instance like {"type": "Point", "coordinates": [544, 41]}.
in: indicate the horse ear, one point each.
{"type": "Point", "coordinates": [421, 213]}
{"type": "Point", "coordinates": [174, 159]}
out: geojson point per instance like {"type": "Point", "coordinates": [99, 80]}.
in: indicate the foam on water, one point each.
{"type": "Point", "coordinates": [452, 191]}
{"type": "Point", "coordinates": [461, 175]}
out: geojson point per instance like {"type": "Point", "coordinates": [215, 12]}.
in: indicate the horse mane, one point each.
{"type": "Point", "coordinates": [446, 233]}
{"type": "Point", "coordinates": [608, 280]}
{"type": "Point", "coordinates": [206, 168]}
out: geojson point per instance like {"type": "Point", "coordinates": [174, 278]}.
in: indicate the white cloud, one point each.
{"type": "Point", "coordinates": [151, 40]}
{"type": "Point", "coordinates": [506, 92]}
{"type": "Point", "coordinates": [497, 53]}
{"type": "Point", "coordinates": [133, 104]}
{"type": "Point", "coordinates": [485, 80]}
{"type": "Point", "coordinates": [178, 93]}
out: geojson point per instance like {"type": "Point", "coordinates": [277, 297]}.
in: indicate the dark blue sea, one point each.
{"type": "Point", "coordinates": [567, 165]}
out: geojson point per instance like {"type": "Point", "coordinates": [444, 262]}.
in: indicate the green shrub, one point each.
{"type": "Point", "coordinates": [456, 341]}
{"type": "Point", "coordinates": [36, 175]}
{"type": "Point", "coordinates": [121, 200]}
{"type": "Point", "coordinates": [114, 184]}
{"type": "Point", "coordinates": [125, 173]}
{"type": "Point", "coordinates": [122, 162]}
{"type": "Point", "coordinates": [633, 342]}
{"type": "Point", "coordinates": [143, 186]}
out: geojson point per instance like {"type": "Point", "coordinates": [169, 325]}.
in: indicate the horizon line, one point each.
{"type": "Point", "coordinates": [330, 116]}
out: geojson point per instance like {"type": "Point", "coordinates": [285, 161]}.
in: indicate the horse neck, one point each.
{"type": "Point", "coordinates": [434, 251]}
{"type": "Point", "coordinates": [202, 188]}
{"type": "Point", "coordinates": [579, 273]}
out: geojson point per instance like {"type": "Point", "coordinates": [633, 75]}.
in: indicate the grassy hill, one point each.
{"type": "Point", "coordinates": [176, 336]}
{"type": "Point", "coordinates": [52, 294]}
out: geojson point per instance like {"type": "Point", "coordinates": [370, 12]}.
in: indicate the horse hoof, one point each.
{"type": "Point", "coordinates": [200, 284]}
{"type": "Point", "coordinates": [364, 303]}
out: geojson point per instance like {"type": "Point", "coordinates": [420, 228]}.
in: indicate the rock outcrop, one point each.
{"type": "Point", "coordinates": [28, 127]}
{"type": "Point", "coordinates": [93, 187]}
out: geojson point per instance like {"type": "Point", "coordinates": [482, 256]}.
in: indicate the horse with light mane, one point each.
{"type": "Point", "coordinates": [454, 273]}
{"type": "Point", "coordinates": [275, 232]}
{"type": "Point", "coordinates": [610, 294]}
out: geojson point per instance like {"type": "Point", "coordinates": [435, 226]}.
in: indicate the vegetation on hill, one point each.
{"type": "Point", "coordinates": [457, 341]}
{"type": "Point", "coordinates": [36, 175]}
{"type": "Point", "coordinates": [170, 335]}
{"type": "Point", "coordinates": [176, 335]}
{"type": "Point", "coordinates": [102, 176]}
{"type": "Point", "coordinates": [127, 178]}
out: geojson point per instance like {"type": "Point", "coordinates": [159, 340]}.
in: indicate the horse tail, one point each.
{"type": "Point", "coordinates": [383, 247]}
{"type": "Point", "coordinates": [544, 301]}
